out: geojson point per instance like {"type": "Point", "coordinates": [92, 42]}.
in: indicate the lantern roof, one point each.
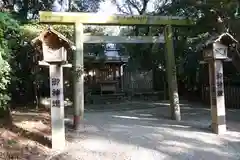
{"type": "Point", "coordinates": [224, 39]}
{"type": "Point", "coordinates": [207, 43]}
{"type": "Point", "coordinates": [39, 39]}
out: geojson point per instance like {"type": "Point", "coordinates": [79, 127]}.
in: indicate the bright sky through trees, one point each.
{"type": "Point", "coordinates": [108, 8]}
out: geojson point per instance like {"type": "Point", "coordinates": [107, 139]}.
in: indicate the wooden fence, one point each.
{"type": "Point", "coordinates": [232, 96]}
{"type": "Point", "coordinates": [138, 81]}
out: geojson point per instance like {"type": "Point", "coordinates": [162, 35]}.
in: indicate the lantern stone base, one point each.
{"type": "Point", "coordinates": [219, 129]}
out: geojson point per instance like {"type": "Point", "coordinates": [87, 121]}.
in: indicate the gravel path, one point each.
{"type": "Point", "coordinates": [149, 135]}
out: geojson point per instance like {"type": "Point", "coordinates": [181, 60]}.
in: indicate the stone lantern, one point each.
{"type": "Point", "coordinates": [54, 47]}
{"type": "Point", "coordinates": [214, 53]}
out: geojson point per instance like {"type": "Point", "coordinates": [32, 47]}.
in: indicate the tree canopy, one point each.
{"type": "Point", "coordinates": [28, 9]}
{"type": "Point", "coordinates": [212, 17]}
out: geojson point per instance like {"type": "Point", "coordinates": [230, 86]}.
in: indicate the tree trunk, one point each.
{"type": "Point", "coordinates": [25, 8]}
{"type": "Point", "coordinates": [35, 87]}
{"type": "Point", "coordinates": [6, 116]}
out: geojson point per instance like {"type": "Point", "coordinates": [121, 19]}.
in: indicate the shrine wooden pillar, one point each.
{"type": "Point", "coordinates": [171, 74]}
{"type": "Point", "coordinates": [78, 77]}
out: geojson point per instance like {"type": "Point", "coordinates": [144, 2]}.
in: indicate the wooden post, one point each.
{"type": "Point", "coordinates": [57, 106]}
{"type": "Point", "coordinates": [114, 70]}
{"type": "Point", "coordinates": [78, 74]}
{"type": "Point", "coordinates": [217, 96]}
{"type": "Point", "coordinates": [171, 74]}
{"type": "Point", "coordinates": [164, 89]}
{"type": "Point", "coordinates": [121, 73]}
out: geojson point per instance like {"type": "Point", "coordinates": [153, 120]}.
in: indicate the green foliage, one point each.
{"type": "Point", "coordinates": [32, 30]}
{"type": "Point", "coordinates": [9, 43]}
{"type": "Point", "coordinates": [212, 17]}
{"type": "Point", "coordinates": [28, 9]}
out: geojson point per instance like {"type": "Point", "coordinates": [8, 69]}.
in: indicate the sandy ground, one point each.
{"type": "Point", "coordinates": [21, 141]}
{"type": "Point", "coordinates": [150, 135]}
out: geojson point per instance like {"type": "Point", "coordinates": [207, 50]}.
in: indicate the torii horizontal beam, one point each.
{"type": "Point", "coordinates": [102, 19]}
{"type": "Point", "coordinates": [124, 39]}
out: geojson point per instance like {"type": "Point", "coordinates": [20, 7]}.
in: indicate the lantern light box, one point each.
{"type": "Point", "coordinates": [217, 46]}
{"type": "Point", "coordinates": [54, 46]}
{"type": "Point", "coordinates": [217, 51]}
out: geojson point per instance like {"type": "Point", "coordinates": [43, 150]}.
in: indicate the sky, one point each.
{"type": "Point", "coordinates": [108, 8]}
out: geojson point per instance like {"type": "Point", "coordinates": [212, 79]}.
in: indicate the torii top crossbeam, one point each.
{"type": "Point", "coordinates": [101, 19]}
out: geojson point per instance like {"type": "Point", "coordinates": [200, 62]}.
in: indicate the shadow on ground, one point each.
{"type": "Point", "coordinates": [33, 125]}
{"type": "Point", "coordinates": [148, 134]}
{"type": "Point", "coordinates": [37, 137]}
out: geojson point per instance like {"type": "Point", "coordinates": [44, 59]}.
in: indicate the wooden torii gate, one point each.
{"type": "Point", "coordinates": [80, 19]}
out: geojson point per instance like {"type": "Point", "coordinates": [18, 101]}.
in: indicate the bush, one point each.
{"type": "Point", "coordinates": [9, 44]}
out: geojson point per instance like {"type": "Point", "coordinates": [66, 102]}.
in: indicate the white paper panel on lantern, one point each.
{"type": "Point", "coordinates": [50, 55]}
{"type": "Point", "coordinates": [219, 51]}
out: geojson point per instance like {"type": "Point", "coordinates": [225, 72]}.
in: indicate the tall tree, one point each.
{"type": "Point", "coordinates": [132, 6]}
{"type": "Point", "coordinates": [28, 9]}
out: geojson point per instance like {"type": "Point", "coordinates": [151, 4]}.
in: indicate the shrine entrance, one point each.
{"type": "Point", "coordinates": [104, 73]}
{"type": "Point", "coordinates": [81, 19]}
